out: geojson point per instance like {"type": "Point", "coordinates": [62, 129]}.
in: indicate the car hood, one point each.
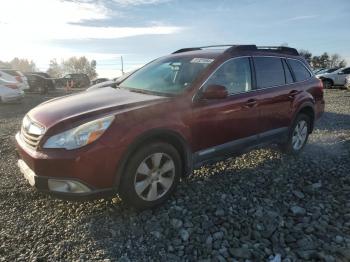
{"type": "Point", "coordinates": [88, 104]}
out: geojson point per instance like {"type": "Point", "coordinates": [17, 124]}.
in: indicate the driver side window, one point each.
{"type": "Point", "coordinates": [234, 74]}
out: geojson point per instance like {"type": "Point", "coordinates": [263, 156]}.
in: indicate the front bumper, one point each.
{"type": "Point", "coordinates": [92, 167]}
{"type": "Point", "coordinates": [41, 183]}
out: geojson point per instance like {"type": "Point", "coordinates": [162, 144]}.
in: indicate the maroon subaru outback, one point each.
{"type": "Point", "coordinates": [176, 113]}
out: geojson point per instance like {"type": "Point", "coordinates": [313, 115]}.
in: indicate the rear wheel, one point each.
{"type": "Point", "coordinates": [298, 135]}
{"type": "Point", "coordinates": [151, 176]}
{"type": "Point", "coordinates": [327, 84]}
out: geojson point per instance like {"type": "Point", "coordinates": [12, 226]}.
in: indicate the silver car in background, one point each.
{"type": "Point", "coordinates": [347, 82]}
{"type": "Point", "coordinates": [10, 91]}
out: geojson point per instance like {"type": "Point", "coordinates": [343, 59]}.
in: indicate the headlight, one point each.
{"type": "Point", "coordinates": [81, 135]}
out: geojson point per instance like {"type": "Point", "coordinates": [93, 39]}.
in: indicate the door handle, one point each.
{"type": "Point", "coordinates": [293, 93]}
{"type": "Point", "coordinates": [250, 103]}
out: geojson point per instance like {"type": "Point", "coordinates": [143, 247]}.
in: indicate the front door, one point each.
{"type": "Point", "coordinates": [339, 78]}
{"type": "Point", "coordinates": [221, 126]}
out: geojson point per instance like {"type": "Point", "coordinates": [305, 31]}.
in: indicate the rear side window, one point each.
{"type": "Point", "coordinates": [269, 72]}
{"type": "Point", "coordinates": [288, 74]}
{"type": "Point", "coordinates": [300, 71]}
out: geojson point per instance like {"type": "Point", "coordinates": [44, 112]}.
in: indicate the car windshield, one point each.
{"type": "Point", "coordinates": [332, 70]}
{"type": "Point", "coordinates": [168, 76]}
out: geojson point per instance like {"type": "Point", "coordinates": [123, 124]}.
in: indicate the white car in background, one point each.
{"type": "Point", "coordinates": [336, 78]}
{"type": "Point", "coordinates": [15, 76]}
{"type": "Point", "coordinates": [10, 91]}
{"type": "Point", "coordinates": [347, 82]}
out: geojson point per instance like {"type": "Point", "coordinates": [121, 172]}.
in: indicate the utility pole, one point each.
{"type": "Point", "coordinates": [121, 59]}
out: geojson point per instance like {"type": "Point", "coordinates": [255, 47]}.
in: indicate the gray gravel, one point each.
{"type": "Point", "coordinates": [261, 206]}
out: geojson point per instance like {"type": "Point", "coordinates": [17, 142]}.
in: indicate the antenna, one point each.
{"type": "Point", "coordinates": [121, 59]}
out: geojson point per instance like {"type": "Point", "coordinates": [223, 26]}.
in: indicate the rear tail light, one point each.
{"type": "Point", "coordinates": [12, 86]}
{"type": "Point", "coordinates": [320, 88]}
{"type": "Point", "coordinates": [19, 79]}
{"type": "Point", "coordinates": [320, 85]}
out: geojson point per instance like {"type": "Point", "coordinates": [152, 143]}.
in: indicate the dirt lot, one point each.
{"type": "Point", "coordinates": [262, 205]}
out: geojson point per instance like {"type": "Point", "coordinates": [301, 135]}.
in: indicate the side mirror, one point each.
{"type": "Point", "coordinates": [215, 92]}
{"type": "Point", "coordinates": [340, 73]}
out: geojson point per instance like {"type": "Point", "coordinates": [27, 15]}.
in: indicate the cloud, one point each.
{"type": "Point", "coordinates": [48, 20]}
{"type": "Point", "coordinates": [29, 28]}
{"type": "Point", "coordinates": [302, 17]}
{"type": "Point", "coordinates": [139, 2]}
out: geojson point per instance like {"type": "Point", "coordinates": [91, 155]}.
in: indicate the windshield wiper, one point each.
{"type": "Point", "coordinates": [147, 92]}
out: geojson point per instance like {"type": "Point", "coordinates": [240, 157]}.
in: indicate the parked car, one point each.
{"type": "Point", "coordinates": [40, 82]}
{"type": "Point", "coordinates": [10, 91]}
{"type": "Point", "coordinates": [191, 107]}
{"type": "Point", "coordinates": [347, 82]}
{"type": "Point", "coordinates": [12, 75]}
{"type": "Point", "coordinates": [109, 83]}
{"type": "Point", "coordinates": [99, 80]}
{"type": "Point", "coordinates": [335, 78]}
{"type": "Point", "coordinates": [74, 80]}
{"type": "Point", "coordinates": [319, 70]}
{"type": "Point", "coordinates": [326, 71]}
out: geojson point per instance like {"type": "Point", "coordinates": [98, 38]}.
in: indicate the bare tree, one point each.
{"type": "Point", "coordinates": [71, 66]}
{"type": "Point", "coordinates": [23, 65]}
{"type": "Point", "coordinates": [306, 54]}
{"type": "Point", "coordinates": [79, 65]}
{"type": "Point", "coordinates": [336, 61]}
{"type": "Point", "coordinates": [54, 69]}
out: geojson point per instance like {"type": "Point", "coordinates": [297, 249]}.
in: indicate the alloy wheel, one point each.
{"type": "Point", "coordinates": [154, 176]}
{"type": "Point", "coordinates": [299, 135]}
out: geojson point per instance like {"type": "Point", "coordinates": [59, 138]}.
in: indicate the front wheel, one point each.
{"type": "Point", "coordinates": [298, 135]}
{"type": "Point", "coordinates": [151, 175]}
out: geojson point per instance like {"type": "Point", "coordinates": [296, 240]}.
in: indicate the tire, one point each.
{"type": "Point", "coordinates": [327, 84]}
{"type": "Point", "coordinates": [296, 143]}
{"type": "Point", "coordinates": [151, 175]}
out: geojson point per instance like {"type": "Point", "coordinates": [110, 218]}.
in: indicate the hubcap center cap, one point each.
{"type": "Point", "coordinates": [155, 176]}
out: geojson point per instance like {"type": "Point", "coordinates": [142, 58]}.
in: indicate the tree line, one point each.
{"type": "Point", "coordinates": [324, 60]}
{"type": "Point", "coordinates": [84, 65]}
{"type": "Point", "coordinates": [56, 69]}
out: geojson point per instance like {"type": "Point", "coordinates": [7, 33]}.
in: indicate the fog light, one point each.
{"type": "Point", "coordinates": [67, 186]}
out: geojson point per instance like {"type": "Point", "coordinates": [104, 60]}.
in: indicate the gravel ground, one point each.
{"type": "Point", "coordinates": [261, 206]}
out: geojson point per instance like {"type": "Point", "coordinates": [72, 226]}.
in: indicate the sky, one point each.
{"type": "Point", "coordinates": [142, 30]}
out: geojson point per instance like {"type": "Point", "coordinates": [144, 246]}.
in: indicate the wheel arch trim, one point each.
{"type": "Point", "coordinates": [158, 134]}
{"type": "Point", "coordinates": [306, 107]}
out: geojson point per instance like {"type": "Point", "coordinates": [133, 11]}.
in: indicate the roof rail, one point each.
{"type": "Point", "coordinates": [197, 48]}
{"type": "Point", "coordinates": [235, 48]}
{"type": "Point", "coordinates": [186, 50]}
{"type": "Point", "coordinates": [279, 49]}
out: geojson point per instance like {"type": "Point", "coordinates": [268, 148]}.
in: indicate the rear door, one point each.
{"type": "Point", "coordinates": [276, 89]}
{"type": "Point", "coordinates": [223, 126]}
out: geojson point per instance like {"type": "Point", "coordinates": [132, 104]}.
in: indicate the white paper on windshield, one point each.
{"type": "Point", "coordinates": [202, 60]}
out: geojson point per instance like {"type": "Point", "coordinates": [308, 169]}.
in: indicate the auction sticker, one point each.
{"type": "Point", "coordinates": [202, 60]}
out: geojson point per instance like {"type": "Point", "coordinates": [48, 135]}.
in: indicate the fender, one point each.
{"type": "Point", "coordinates": [154, 134]}
{"type": "Point", "coordinates": [310, 104]}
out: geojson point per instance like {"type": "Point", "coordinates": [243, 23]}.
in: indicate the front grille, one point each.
{"type": "Point", "coordinates": [30, 139]}
{"type": "Point", "coordinates": [31, 133]}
